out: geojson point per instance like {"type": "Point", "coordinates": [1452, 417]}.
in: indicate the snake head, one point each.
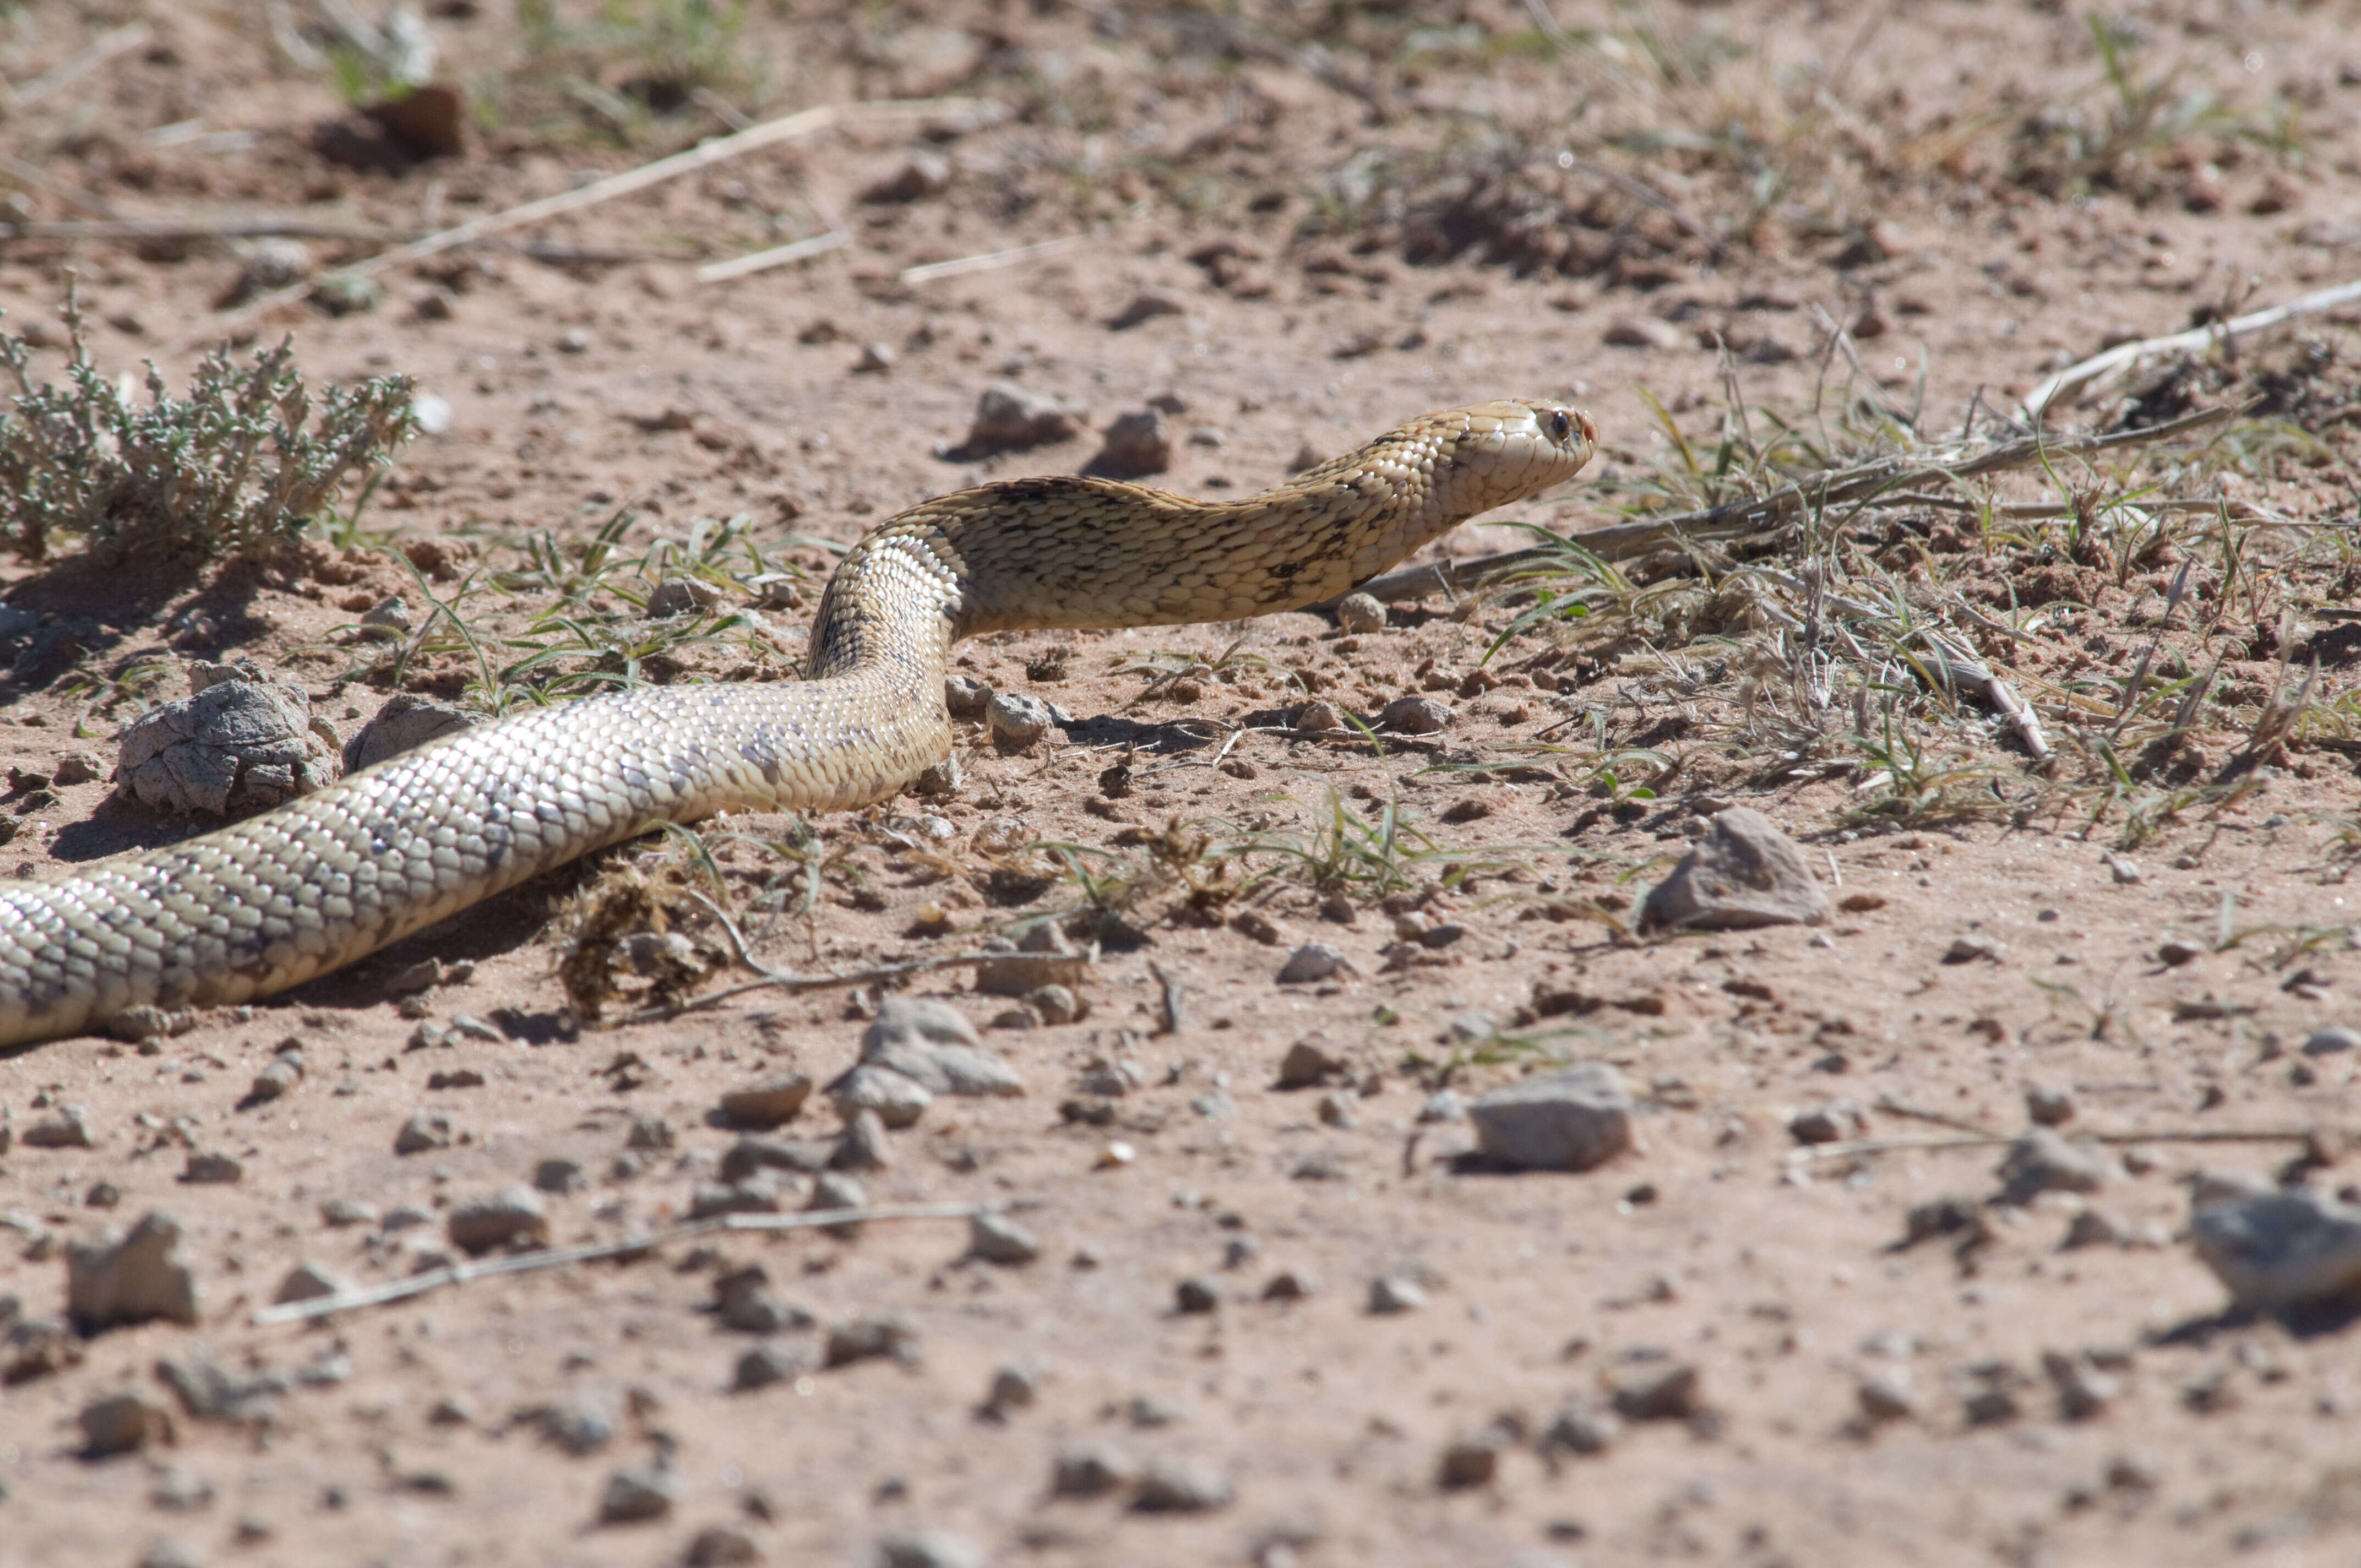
{"type": "Point", "coordinates": [1505, 451]}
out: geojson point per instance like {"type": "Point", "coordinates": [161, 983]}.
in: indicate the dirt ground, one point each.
{"type": "Point", "coordinates": [1338, 217]}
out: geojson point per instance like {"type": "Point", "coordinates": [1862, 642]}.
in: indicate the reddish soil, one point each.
{"type": "Point", "coordinates": [1927, 203]}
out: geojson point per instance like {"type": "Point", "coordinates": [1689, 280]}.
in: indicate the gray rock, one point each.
{"type": "Point", "coordinates": [864, 1338]}
{"type": "Point", "coordinates": [1745, 872]}
{"type": "Point", "coordinates": [1444, 1105]}
{"type": "Point", "coordinates": [1657, 1391]}
{"type": "Point", "coordinates": [273, 264]}
{"type": "Point", "coordinates": [834, 1189]}
{"type": "Point", "coordinates": [1195, 1295]}
{"type": "Point", "coordinates": [1392, 1293]}
{"type": "Point", "coordinates": [1832, 1122]}
{"type": "Point", "coordinates": [774, 1361]}
{"type": "Point", "coordinates": [2045, 1106]}
{"type": "Point", "coordinates": [513, 1214]}
{"type": "Point", "coordinates": [1973, 949]}
{"type": "Point", "coordinates": [66, 1127]}
{"type": "Point", "coordinates": [937, 779]}
{"type": "Point", "coordinates": [1136, 446]}
{"type": "Point", "coordinates": [747, 1155]}
{"type": "Point", "coordinates": [1570, 1120]}
{"type": "Point", "coordinates": [1181, 1487]}
{"type": "Point", "coordinates": [1145, 305]}
{"type": "Point", "coordinates": [1469, 1461]}
{"type": "Point", "coordinates": [211, 1392]}
{"type": "Point", "coordinates": [391, 616]}
{"type": "Point", "coordinates": [719, 1546]}
{"type": "Point", "coordinates": [166, 1553]}
{"type": "Point", "coordinates": [683, 596]}
{"type": "Point", "coordinates": [895, 1100]}
{"type": "Point", "coordinates": [865, 1145]}
{"type": "Point", "coordinates": [1013, 1389]}
{"type": "Point", "coordinates": [638, 1494]}
{"type": "Point", "coordinates": [1313, 961]}
{"type": "Point", "coordinates": [965, 697]}
{"type": "Point", "coordinates": [928, 1549]}
{"type": "Point", "coordinates": [1359, 614]}
{"type": "Point", "coordinates": [405, 722]}
{"type": "Point", "coordinates": [2095, 1227]}
{"type": "Point", "coordinates": [423, 1131]}
{"type": "Point", "coordinates": [2282, 1249]}
{"type": "Point", "coordinates": [212, 1169]}
{"type": "Point", "coordinates": [921, 175]}
{"type": "Point", "coordinates": [338, 1213]}
{"type": "Point", "coordinates": [1887, 1396]}
{"type": "Point", "coordinates": [76, 767]}
{"type": "Point", "coordinates": [559, 1175]}
{"type": "Point", "coordinates": [1319, 717]}
{"type": "Point", "coordinates": [743, 1301]}
{"type": "Point", "coordinates": [1583, 1429]}
{"type": "Point", "coordinates": [1016, 721]}
{"type": "Point", "coordinates": [755, 1194]}
{"type": "Point", "coordinates": [933, 1044]}
{"type": "Point", "coordinates": [1056, 1004]}
{"type": "Point", "coordinates": [996, 1238]}
{"type": "Point", "coordinates": [1010, 418]}
{"type": "Point", "coordinates": [238, 743]}
{"type": "Point", "coordinates": [1291, 1285]}
{"type": "Point", "coordinates": [306, 1282]}
{"type": "Point", "coordinates": [123, 1423]}
{"type": "Point", "coordinates": [579, 1426]}
{"type": "Point", "coordinates": [130, 1278]}
{"type": "Point", "coordinates": [1414, 715]}
{"type": "Point", "coordinates": [274, 1081]}
{"type": "Point", "coordinates": [2042, 1161]}
{"type": "Point", "coordinates": [1091, 1470]}
{"type": "Point", "coordinates": [767, 1102]}
{"type": "Point", "coordinates": [1311, 1061]}
{"type": "Point", "coordinates": [2331, 1040]}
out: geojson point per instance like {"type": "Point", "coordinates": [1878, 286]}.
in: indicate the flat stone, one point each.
{"type": "Point", "coordinates": [425, 1131]}
{"type": "Point", "coordinates": [1742, 873]}
{"type": "Point", "coordinates": [1136, 446]}
{"type": "Point", "coordinates": [2331, 1040]}
{"type": "Point", "coordinates": [683, 596]}
{"type": "Point", "coordinates": [767, 1102]}
{"type": "Point", "coordinates": [209, 1391]}
{"type": "Point", "coordinates": [1017, 720]}
{"type": "Point", "coordinates": [513, 1214]}
{"type": "Point", "coordinates": [754, 1194]}
{"type": "Point", "coordinates": [2282, 1249]}
{"type": "Point", "coordinates": [719, 1546]}
{"type": "Point", "coordinates": [1311, 1063]}
{"type": "Point", "coordinates": [403, 723]}
{"type": "Point", "coordinates": [1583, 1429]}
{"type": "Point", "coordinates": [131, 1278]}
{"type": "Point", "coordinates": [68, 1128]}
{"type": "Point", "coordinates": [747, 1155]}
{"type": "Point", "coordinates": [1657, 1391]}
{"type": "Point", "coordinates": [863, 1339]}
{"type": "Point", "coordinates": [212, 1169]}
{"type": "Point", "coordinates": [1572, 1119]}
{"type": "Point", "coordinates": [773, 1362]}
{"type": "Point", "coordinates": [1470, 1462]}
{"type": "Point", "coordinates": [933, 1044]}
{"type": "Point", "coordinates": [580, 1425]}
{"type": "Point", "coordinates": [1011, 418]}
{"type": "Point", "coordinates": [928, 1549]}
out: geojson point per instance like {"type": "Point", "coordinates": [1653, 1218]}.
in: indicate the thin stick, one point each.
{"type": "Point", "coordinates": [2072, 383]}
{"type": "Point", "coordinates": [558, 1257]}
{"type": "Point", "coordinates": [705, 155]}
{"type": "Point", "coordinates": [777, 256]}
{"type": "Point", "coordinates": [992, 260]}
{"type": "Point", "coordinates": [2001, 1140]}
{"type": "Point", "coordinates": [122, 41]}
{"type": "Point", "coordinates": [258, 225]}
{"type": "Point", "coordinates": [65, 190]}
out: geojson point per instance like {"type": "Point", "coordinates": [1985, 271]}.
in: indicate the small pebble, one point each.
{"type": "Point", "coordinates": [1196, 1295]}
{"type": "Point", "coordinates": [996, 1238]}
{"type": "Point", "coordinates": [1391, 1293]}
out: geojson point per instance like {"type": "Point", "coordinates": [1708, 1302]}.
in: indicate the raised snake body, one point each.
{"type": "Point", "coordinates": [268, 902]}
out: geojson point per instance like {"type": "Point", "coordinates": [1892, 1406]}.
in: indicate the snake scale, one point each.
{"type": "Point", "coordinates": [269, 902]}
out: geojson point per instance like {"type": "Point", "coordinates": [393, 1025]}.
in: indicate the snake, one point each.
{"type": "Point", "coordinates": [267, 903]}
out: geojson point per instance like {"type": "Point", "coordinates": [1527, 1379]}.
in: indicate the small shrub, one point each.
{"type": "Point", "coordinates": [231, 469]}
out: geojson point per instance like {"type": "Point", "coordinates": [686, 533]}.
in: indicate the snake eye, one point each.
{"type": "Point", "coordinates": [1559, 424]}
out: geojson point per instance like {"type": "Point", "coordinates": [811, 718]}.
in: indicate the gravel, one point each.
{"type": "Point", "coordinates": [306, 1282]}
{"type": "Point", "coordinates": [933, 1044]}
{"type": "Point", "coordinates": [928, 1549]}
{"type": "Point", "coordinates": [1136, 444]}
{"type": "Point", "coordinates": [123, 1423]}
{"type": "Point", "coordinates": [1310, 1062]}
{"type": "Point", "coordinates": [1091, 1470]}
{"type": "Point", "coordinates": [424, 1132]}
{"type": "Point", "coordinates": [896, 1101]}
{"type": "Point", "coordinates": [1414, 715]}
{"type": "Point", "coordinates": [1392, 1293]}
{"type": "Point", "coordinates": [1742, 873]}
{"type": "Point", "coordinates": [637, 1496]}
{"type": "Point", "coordinates": [2331, 1041]}
{"type": "Point", "coordinates": [1470, 1462]}
{"type": "Point", "coordinates": [1573, 1119]}
{"type": "Point", "coordinates": [1360, 614]}
{"type": "Point", "coordinates": [1196, 1295]}
{"type": "Point", "coordinates": [774, 1361]}
{"type": "Point", "coordinates": [1012, 418]}
{"type": "Point", "coordinates": [865, 1339]}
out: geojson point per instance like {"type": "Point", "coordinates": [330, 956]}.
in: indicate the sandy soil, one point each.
{"type": "Point", "coordinates": [1915, 195]}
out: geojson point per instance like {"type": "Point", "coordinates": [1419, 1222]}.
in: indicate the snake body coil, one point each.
{"type": "Point", "coordinates": [268, 902]}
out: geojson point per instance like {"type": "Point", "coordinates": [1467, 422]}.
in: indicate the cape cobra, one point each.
{"type": "Point", "coordinates": [269, 902]}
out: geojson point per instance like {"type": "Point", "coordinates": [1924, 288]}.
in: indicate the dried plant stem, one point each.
{"type": "Point", "coordinates": [558, 1257]}
{"type": "Point", "coordinates": [2072, 384]}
